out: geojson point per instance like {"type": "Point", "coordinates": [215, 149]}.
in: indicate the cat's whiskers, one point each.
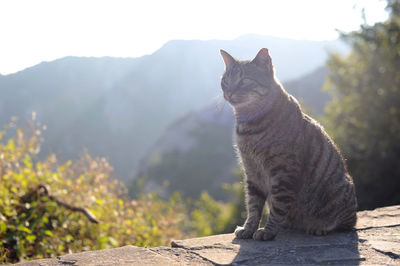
{"type": "Point", "coordinates": [220, 103]}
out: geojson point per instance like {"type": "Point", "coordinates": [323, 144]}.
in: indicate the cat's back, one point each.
{"type": "Point", "coordinates": [322, 157]}
{"type": "Point", "coordinates": [328, 190]}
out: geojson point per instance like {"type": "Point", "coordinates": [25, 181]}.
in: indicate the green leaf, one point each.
{"type": "Point", "coordinates": [69, 238]}
{"type": "Point", "coordinates": [48, 233]}
{"type": "Point", "coordinates": [28, 161]}
{"type": "Point", "coordinates": [3, 227]}
{"type": "Point", "coordinates": [113, 241]}
{"type": "Point", "coordinates": [10, 145]}
{"type": "Point", "coordinates": [24, 229]}
{"type": "Point", "coordinates": [31, 238]}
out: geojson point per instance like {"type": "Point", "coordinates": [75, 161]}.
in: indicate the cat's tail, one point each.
{"type": "Point", "coordinates": [348, 223]}
{"type": "Point", "coordinates": [348, 219]}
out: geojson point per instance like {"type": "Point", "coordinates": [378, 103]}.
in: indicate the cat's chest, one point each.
{"type": "Point", "coordinates": [254, 151]}
{"type": "Point", "coordinates": [253, 146]}
{"type": "Point", "coordinates": [266, 152]}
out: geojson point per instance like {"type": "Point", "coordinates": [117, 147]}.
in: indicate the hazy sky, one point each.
{"type": "Point", "coordinates": [43, 30]}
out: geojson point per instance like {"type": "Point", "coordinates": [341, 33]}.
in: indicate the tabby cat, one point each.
{"type": "Point", "coordinates": [289, 160]}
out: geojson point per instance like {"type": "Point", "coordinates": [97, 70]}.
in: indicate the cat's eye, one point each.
{"type": "Point", "coordinates": [247, 84]}
{"type": "Point", "coordinates": [243, 82]}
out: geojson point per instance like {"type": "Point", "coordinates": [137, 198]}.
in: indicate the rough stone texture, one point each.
{"type": "Point", "coordinates": [375, 241]}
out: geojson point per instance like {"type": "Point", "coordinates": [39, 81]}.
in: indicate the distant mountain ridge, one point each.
{"type": "Point", "coordinates": [118, 107]}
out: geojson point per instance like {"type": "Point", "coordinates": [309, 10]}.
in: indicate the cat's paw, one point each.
{"type": "Point", "coordinates": [243, 233]}
{"type": "Point", "coordinates": [264, 235]}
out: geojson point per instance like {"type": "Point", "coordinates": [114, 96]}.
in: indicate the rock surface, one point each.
{"type": "Point", "coordinates": [375, 241]}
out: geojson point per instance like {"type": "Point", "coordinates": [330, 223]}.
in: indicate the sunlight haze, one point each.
{"type": "Point", "coordinates": [36, 31]}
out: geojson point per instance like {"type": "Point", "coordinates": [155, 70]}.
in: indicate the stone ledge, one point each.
{"type": "Point", "coordinates": [375, 241]}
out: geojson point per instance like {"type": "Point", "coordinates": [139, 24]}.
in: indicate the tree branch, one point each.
{"type": "Point", "coordinates": [44, 191]}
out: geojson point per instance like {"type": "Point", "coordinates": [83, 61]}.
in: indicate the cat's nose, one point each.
{"type": "Point", "coordinates": [227, 95]}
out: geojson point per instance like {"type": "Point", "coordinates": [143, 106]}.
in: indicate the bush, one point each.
{"type": "Point", "coordinates": [35, 225]}
{"type": "Point", "coordinates": [364, 115]}
{"type": "Point", "coordinates": [48, 208]}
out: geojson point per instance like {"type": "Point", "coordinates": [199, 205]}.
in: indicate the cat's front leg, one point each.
{"type": "Point", "coordinates": [282, 196]}
{"type": "Point", "coordinates": [255, 205]}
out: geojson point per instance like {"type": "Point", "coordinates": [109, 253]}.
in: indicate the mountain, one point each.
{"type": "Point", "coordinates": [308, 90]}
{"type": "Point", "coordinates": [118, 107]}
{"type": "Point", "coordinates": [67, 95]}
{"type": "Point", "coordinates": [195, 153]}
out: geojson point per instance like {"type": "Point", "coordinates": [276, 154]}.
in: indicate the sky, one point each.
{"type": "Point", "coordinates": [44, 30]}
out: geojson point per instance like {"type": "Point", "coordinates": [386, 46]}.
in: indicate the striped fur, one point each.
{"type": "Point", "coordinates": [289, 161]}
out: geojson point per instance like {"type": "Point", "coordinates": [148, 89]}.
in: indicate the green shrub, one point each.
{"type": "Point", "coordinates": [364, 114]}
{"type": "Point", "coordinates": [34, 225]}
{"type": "Point", "coordinates": [43, 205]}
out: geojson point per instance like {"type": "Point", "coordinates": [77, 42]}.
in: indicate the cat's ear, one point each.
{"type": "Point", "coordinates": [263, 60]}
{"type": "Point", "coordinates": [228, 59]}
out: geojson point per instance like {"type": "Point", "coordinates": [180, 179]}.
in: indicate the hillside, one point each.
{"type": "Point", "coordinates": [195, 153]}
{"type": "Point", "coordinates": [118, 107]}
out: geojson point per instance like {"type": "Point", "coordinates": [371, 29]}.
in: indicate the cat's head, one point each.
{"type": "Point", "coordinates": [246, 82]}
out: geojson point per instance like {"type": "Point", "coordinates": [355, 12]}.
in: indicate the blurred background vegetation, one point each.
{"type": "Point", "coordinates": [364, 115]}
{"type": "Point", "coordinates": [175, 170]}
{"type": "Point", "coordinates": [34, 224]}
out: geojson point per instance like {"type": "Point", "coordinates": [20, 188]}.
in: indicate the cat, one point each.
{"type": "Point", "coordinates": [288, 159]}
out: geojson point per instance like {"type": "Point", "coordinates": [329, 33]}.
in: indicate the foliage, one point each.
{"type": "Point", "coordinates": [364, 116]}
{"type": "Point", "coordinates": [213, 217]}
{"type": "Point", "coordinates": [34, 226]}
{"type": "Point", "coordinates": [210, 216]}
